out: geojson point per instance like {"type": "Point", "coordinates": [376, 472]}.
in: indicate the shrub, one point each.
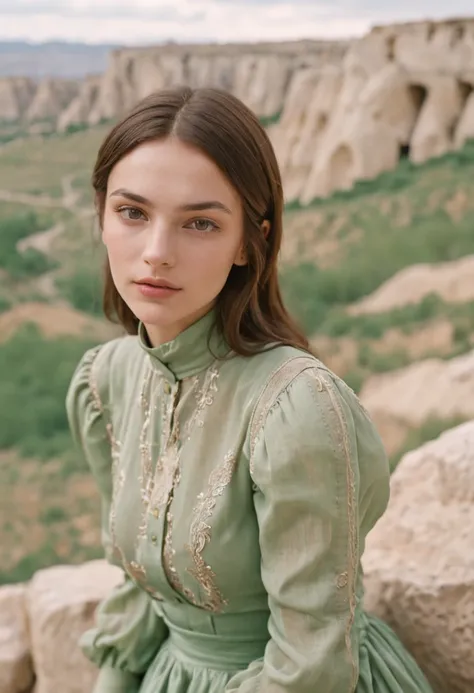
{"type": "Point", "coordinates": [83, 290]}
{"type": "Point", "coordinates": [35, 375]}
{"type": "Point", "coordinates": [31, 263]}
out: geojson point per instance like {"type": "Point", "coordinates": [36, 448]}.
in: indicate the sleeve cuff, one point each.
{"type": "Point", "coordinates": [112, 680]}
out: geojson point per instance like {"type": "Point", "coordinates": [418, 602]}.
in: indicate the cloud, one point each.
{"type": "Point", "coordinates": [152, 21]}
{"type": "Point", "coordinates": [106, 10]}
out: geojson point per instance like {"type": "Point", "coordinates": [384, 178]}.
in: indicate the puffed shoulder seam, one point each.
{"type": "Point", "coordinates": [278, 382]}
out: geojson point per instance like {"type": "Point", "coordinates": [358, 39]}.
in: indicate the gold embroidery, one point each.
{"type": "Point", "coordinates": [168, 562]}
{"type": "Point", "coordinates": [278, 381]}
{"type": "Point", "coordinates": [135, 570]}
{"type": "Point", "coordinates": [159, 485]}
{"type": "Point", "coordinates": [201, 532]}
{"type": "Point", "coordinates": [348, 578]}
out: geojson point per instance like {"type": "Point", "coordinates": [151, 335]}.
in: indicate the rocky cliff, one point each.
{"type": "Point", "coordinates": [345, 111]}
{"type": "Point", "coordinates": [401, 91]}
{"type": "Point", "coordinates": [257, 73]}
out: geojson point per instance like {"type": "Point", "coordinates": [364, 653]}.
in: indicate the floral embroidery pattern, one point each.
{"type": "Point", "coordinates": [201, 532]}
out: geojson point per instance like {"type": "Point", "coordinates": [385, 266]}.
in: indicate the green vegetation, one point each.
{"type": "Point", "coordinates": [431, 221]}
{"type": "Point", "coordinates": [430, 430]}
{"type": "Point", "coordinates": [30, 263]}
{"type": "Point", "coordinates": [83, 289]}
{"type": "Point", "coordinates": [404, 177]}
{"type": "Point", "coordinates": [273, 119]}
{"type": "Point", "coordinates": [35, 376]}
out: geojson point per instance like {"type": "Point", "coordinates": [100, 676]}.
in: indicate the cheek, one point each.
{"type": "Point", "coordinates": [212, 260]}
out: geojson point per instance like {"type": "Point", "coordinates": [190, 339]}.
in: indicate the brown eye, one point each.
{"type": "Point", "coordinates": [203, 225]}
{"type": "Point", "coordinates": [131, 213]}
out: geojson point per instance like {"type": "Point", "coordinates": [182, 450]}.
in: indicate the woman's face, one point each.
{"type": "Point", "coordinates": [173, 218]}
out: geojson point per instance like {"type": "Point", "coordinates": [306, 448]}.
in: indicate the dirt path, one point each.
{"type": "Point", "coordinates": [42, 240]}
{"type": "Point", "coordinates": [68, 200]}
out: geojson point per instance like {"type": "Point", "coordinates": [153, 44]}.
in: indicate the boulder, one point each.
{"type": "Point", "coordinates": [16, 666]}
{"type": "Point", "coordinates": [61, 604]}
{"type": "Point", "coordinates": [451, 281]}
{"type": "Point", "coordinates": [419, 563]}
{"type": "Point", "coordinates": [433, 389]}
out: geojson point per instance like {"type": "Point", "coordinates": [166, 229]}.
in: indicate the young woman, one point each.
{"type": "Point", "coordinates": [239, 476]}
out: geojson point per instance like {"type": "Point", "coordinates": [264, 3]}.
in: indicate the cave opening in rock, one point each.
{"type": "Point", "coordinates": [417, 94]}
{"type": "Point", "coordinates": [458, 34]}
{"type": "Point", "coordinates": [404, 152]}
{"type": "Point", "coordinates": [391, 46]}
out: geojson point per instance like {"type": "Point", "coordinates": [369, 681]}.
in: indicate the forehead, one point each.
{"type": "Point", "coordinates": [172, 169]}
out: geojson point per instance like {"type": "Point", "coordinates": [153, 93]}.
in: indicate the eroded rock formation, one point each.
{"type": "Point", "coordinates": [432, 389]}
{"type": "Point", "coordinates": [349, 110]}
{"type": "Point", "coordinates": [419, 562]}
{"type": "Point", "coordinates": [401, 91]}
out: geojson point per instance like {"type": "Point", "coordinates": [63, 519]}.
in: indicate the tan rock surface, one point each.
{"type": "Point", "coordinates": [451, 281]}
{"type": "Point", "coordinates": [16, 666]}
{"type": "Point", "coordinates": [406, 398]}
{"type": "Point", "coordinates": [404, 89]}
{"type": "Point", "coordinates": [342, 354]}
{"type": "Point", "coordinates": [465, 127]}
{"type": "Point", "coordinates": [419, 562]}
{"type": "Point", "coordinates": [78, 110]}
{"type": "Point", "coordinates": [16, 94]}
{"type": "Point", "coordinates": [51, 97]}
{"type": "Point", "coordinates": [256, 73]}
{"type": "Point", "coordinates": [61, 605]}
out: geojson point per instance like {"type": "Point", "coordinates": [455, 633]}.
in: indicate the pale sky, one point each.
{"type": "Point", "coordinates": [148, 21]}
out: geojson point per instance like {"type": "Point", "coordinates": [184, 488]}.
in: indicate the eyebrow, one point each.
{"type": "Point", "coordinates": [190, 207]}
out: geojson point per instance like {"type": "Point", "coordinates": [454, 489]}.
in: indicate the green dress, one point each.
{"type": "Point", "coordinates": [237, 494]}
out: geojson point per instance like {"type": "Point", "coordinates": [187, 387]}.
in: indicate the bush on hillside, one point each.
{"type": "Point", "coordinates": [30, 263]}
{"type": "Point", "coordinates": [35, 375]}
{"type": "Point", "coordinates": [83, 290]}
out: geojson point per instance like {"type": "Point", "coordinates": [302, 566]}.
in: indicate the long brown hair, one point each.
{"type": "Point", "coordinates": [250, 311]}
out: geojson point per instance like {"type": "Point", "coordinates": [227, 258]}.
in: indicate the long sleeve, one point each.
{"type": "Point", "coordinates": [128, 631]}
{"type": "Point", "coordinates": [313, 440]}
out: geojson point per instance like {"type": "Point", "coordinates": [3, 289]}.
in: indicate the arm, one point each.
{"type": "Point", "coordinates": [128, 630]}
{"type": "Point", "coordinates": [304, 462]}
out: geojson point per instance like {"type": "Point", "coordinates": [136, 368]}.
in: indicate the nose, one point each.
{"type": "Point", "coordinates": [160, 245]}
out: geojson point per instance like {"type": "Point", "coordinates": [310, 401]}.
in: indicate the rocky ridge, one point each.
{"type": "Point", "coordinates": [257, 73]}
{"type": "Point", "coordinates": [401, 91]}
{"type": "Point", "coordinates": [342, 111]}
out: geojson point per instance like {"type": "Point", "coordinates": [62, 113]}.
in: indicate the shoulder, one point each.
{"type": "Point", "coordinates": [302, 396]}
{"type": "Point", "coordinates": [100, 368]}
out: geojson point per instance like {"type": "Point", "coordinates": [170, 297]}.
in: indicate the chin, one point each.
{"type": "Point", "coordinates": [156, 314]}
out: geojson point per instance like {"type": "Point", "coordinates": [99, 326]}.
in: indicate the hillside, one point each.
{"type": "Point", "coordinates": [339, 257]}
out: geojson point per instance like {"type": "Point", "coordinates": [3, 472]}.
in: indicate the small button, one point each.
{"type": "Point", "coordinates": [154, 538]}
{"type": "Point", "coordinates": [155, 512]}
{"type": "Point", "coordinates": [167, 388]}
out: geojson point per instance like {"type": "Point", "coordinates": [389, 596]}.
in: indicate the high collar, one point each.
{"type": "Point", "coordinates": [191, 352]}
